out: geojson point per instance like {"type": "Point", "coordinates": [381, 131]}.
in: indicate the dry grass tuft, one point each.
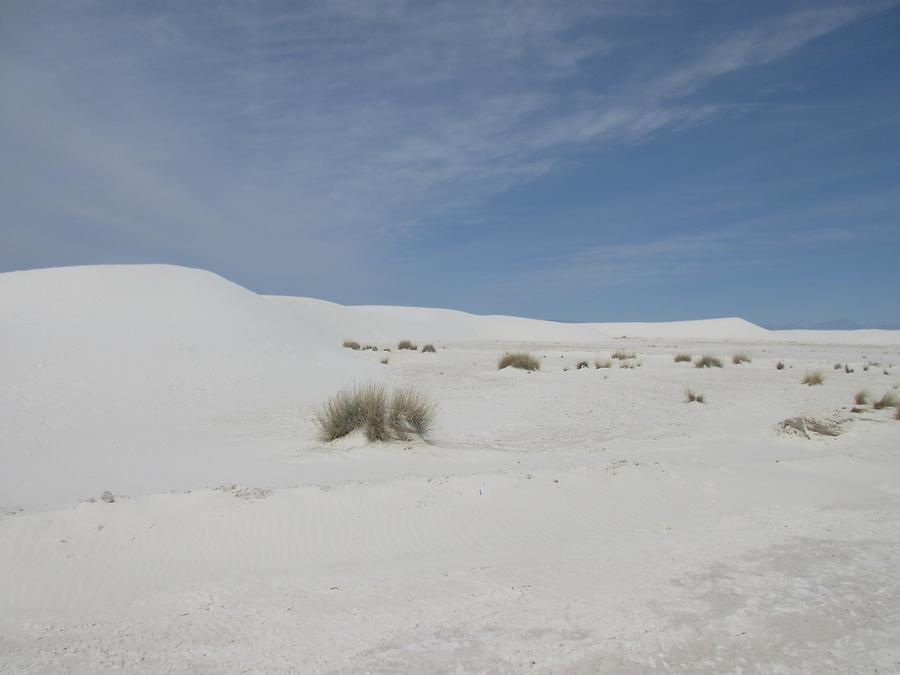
{"type": "Point", "coordinates": [708, 361]}
{"type": "Point", "coordinates": [370, 348]}
{"type": "Point", "coordinates": [521, 360]}
{"type": "Point", "coordinates": [740, 357]}
{"type": "Point", "coordinates": [623, 355]}
{"type": "Point", "coordinates": [886, 401]}
{"type": "Point", "coordinates": [379, 416]}
{"type": "Point", "coordinates": [406, 344]}
{"type": "Point", "coordinates": [581, 364]}
{"type": "Point", "coordinates": [384, 360]}
{"type": "Point", "coordinates": [691, 396]}
{"type": "Point", "coordinates": [429, 348]}
{"type": "Point", "coordinates": [626, 364]}
{"type": "Point", "coordinates": [682, 357]}
{"type": "Point", "coordinates": [812, 378]}
{"type": "Point", "coordinates": [838, 366]}
{"type": "Point", "coordinates": [411, 413]}
{"type": "Point", "coordinates": [350, 344]}
{"type": "Point", "coordinates": [602, 364]}
{"type": "Point", "coordinates": [861, 397]}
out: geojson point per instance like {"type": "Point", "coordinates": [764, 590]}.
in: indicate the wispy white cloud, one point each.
{"type": "Point", "coordinates": [288, 132]}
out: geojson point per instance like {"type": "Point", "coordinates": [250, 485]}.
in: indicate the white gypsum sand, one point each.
{"type": "Point", "coordinates": [557, 521]}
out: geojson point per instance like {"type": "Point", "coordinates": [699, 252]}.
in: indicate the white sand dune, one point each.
{"type": "Point", "coordinates": [422, 325]}
{"type": "Point", "coordinates": [560, 521]}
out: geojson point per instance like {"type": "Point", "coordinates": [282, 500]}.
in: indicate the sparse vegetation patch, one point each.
{"type": "Point", "coordinates": [886, 401]}
{"type": "Point", "coordinates": [682, 357]}
{"type": "Point", "coordinates": [708, 361]}
{"type": "Point", "coordinates": [861, 397]}
{"type": "Point", "coordinates": [693, 397]}
{"type": "Point", "coordinates": [621, 355]}
{"type": "Point", "coordinates": [380, 416]}
{"type": "Point", "coordinates": [602, 364]}
{"type": "Point", "coordinates": [429, 348]}
{"type": "Point", "coordinates": [351, 344]}
{"type": "Point", "coordinates": [813, 378]}
{"type": "Point", "coordinates": [521, 360]}
{"type": "Point", "coordinates": [740, 357]}
{"type": "Point", "coordinates": [406, 344]}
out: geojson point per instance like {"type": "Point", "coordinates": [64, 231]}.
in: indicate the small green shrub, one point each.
{"type": "Point", "coordinates": [813, 378]}
{"type": "Point", "coordinates": [708, 361]}
{"type": "Point", "coordinates": [691, 396]}
{"type": "Point", "coordinates": [740, 357]}
{"type": "Point", "coordinates": [429, 348]}
{"type": "Point", "coordinates": [351, 344]}
{"type": "Point", "coordinates": [522, 360]}
{"type": "Point", "coordinates": [406, 344]}
{"type": "Point", "coordinates": [682, 357]}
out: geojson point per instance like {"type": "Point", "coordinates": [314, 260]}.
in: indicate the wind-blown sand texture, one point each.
{"type": "Point", "coordinates": [556, 521]}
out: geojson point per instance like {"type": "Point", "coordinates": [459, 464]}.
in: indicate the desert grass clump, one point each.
{"type": "Point", "coordinates": [602, 364]}
{"type": "Point", "coordinates": [429, 348]}
{"type": "Point", "coordinates": [838, 366]}
{"type": "Point", "coordinates": [384, 360]}
{"type": "Point", "coordinates": [813, 378]}
{"type": "Point", "coordinates": [861, 397]}
{"type": "Point", "coordinates": [626, 364]}
{"type": "Point", "coordinates": [521, 360]}
{"type": "Point", "coordinates": [410, 413]}
{"type": "Point", "coordinates": [682, 358]}
{"type": "Point", "coordinates": [370, 348]}
{"type": "Point", "coordinates": [350, 344]}
{"type": "Point", "coordinates": [886, 401]}
{"type": "Point", "coordinates": [740, 357]}
{"type": "Point", "coordinates": [381, 417]}
{"type": "Point", "coordinates": [406, 344]}
{"type": "Point", "coordinates": [581, 364]}
{"type": "Point", "coordinates": [621, 355]}
{"type": "Point", "coordinates": [779, 365]}
{"type": "Point", "coordinates": [708, 361]}
{"type": "Point", "coordinates": [691, 396]}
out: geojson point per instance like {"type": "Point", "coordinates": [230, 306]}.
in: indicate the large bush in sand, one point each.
{"type": "Point", "coordinates": [381, 416]}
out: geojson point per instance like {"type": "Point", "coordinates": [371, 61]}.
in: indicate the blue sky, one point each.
{"type": "Point", "coordinates": [594, 161]}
